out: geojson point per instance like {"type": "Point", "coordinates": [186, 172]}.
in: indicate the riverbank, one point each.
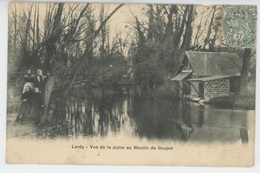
{"type": "Point", "coordinates": [245, 102]}
{"type": "Point", "coordinates": [166, 91]}
{"type": "Point", "coordinates": [26, 129]}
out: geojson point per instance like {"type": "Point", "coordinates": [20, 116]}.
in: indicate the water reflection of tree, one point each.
{"type": "Point", "coordinates": [105, 111]}
{"type": "Point", "coordinates": [185, 123]}
{"type": "Point", "coordinates": [88, 123]}
{"type": "Point", "coordinates": [156, 119]}
{"type": "Point", "coordinates": [244, 135]}
{"type": "Point", "coordinates": [60, 110]}
{"type": "Point", "coordinates": [92, 116]}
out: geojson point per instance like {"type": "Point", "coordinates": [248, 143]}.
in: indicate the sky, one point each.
{"type": "Point", "coordinates": [117, 22]}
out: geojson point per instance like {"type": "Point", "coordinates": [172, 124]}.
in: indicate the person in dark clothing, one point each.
{"type": "Point", "coordinates": [37, 106]}
{"type": "Point", "coordinates": [26, 105]}
{"type": "Point", "coordinates": [29, 80]}
{"type": "Point", "coordinates": [29, 77]}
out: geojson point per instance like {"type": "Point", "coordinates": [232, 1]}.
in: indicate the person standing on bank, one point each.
{"type": "Point", "coordinates": [25, 109]}
{"type": "Point", "coordinates": [29, 80]}
{"type": "Point", "coordinates": [37, 106]}
{"type": "Point", "coordinates": [40, 81]}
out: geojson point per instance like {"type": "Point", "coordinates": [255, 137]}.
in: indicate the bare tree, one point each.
{"type": "Point", "coordinates": [83, 57]}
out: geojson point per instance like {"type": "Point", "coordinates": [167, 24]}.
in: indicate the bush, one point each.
{"type": "Point", "coordinates": [246, 102]}
{"type": "Point", "coordinates": [167, 90]}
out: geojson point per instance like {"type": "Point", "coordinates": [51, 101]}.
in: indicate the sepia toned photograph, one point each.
{"type": "Point", "coordinates": [131, 84]}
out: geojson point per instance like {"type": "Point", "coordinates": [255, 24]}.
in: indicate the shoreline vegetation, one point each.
{"type": "Point", "coordinates": [166, 91]}
{"type": "Point", "coordinates": [235, 101]}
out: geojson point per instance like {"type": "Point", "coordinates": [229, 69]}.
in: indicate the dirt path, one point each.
{"type": "Point", "coordinates": [24, 130]}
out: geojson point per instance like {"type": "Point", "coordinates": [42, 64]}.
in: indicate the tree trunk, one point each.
{"type": "Point", "coordinates": [48, 90]}
{"type": "Point", "coordinates": [206, 41]}
{"type": "Point", "coordinates": [15, 25]}
{"type": "Point", "coordinates": [180, 31]}
{"type": "Point", "coordinates": [24, 48]}
{"type": "Point", "coordinates": [188, 31]}
{"type": "Point", "coordinates": [150, 34]}
{"type": "Point", "coordinates": [50, 51]}
{"type": "Point", "coordinates": [245, 71]}
{"type": "Point", "coordinates": [38, 30]}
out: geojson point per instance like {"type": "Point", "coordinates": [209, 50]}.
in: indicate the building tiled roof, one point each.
{"type": "Point", "coordinates": [214, 63]}
{"type": "Point", "coordinates": [203, 79]}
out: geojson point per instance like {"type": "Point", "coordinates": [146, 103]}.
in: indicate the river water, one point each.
{"type": "Point", "coordinates": [95, 113]}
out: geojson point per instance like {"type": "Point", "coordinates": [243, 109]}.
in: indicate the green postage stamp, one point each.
{"type": "Point", "coordinates": [239, 26]}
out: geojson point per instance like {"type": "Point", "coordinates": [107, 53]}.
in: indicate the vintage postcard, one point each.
{"type": "Point", "coordinates": [131, 84]}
